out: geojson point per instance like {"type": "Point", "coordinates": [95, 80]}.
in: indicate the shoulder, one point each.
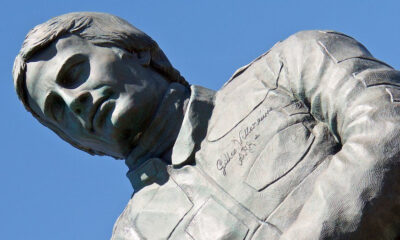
{"type": "Point", "coordinates": [338, 46]}
{"type": "Point", "coordinates": [123, 227]}
{"type": "Point", "coordinates": [317, 35]}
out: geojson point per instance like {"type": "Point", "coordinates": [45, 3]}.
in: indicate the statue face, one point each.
{"type": "Point", "coordinates": [101, 97]}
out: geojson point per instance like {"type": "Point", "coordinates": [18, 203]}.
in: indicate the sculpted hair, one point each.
{"type": "Point", "coordinates": [101, 29]}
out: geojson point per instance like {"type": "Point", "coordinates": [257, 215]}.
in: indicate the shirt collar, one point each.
{"type": "Point", "coordinates": [194, 125]}
{"type": "Point", "coordinates": [192, 132]}
{"type": "Point", "coordinates": [161, 133]}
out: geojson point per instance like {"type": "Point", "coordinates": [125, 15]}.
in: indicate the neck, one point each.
{"type": "Point", "coordinates": [159, 137]}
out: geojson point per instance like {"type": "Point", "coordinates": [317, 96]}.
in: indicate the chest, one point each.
{"type": "Point", "coordinates": [265, 155]}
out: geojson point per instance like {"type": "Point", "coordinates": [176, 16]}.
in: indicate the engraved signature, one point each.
{"type": "Point", "coordinates": [242, 144]}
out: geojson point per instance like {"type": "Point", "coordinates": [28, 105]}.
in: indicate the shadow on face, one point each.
{"type": "Point", "coordinates": [100, 97]}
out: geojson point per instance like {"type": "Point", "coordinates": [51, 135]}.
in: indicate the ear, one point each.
{"type": "Point", "coordinates": [144, 58]}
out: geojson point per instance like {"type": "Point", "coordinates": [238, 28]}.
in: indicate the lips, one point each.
{"type": "Point", "coordinates": [102, 113]}
{"type": "Point", "coordinates": [93, 112]}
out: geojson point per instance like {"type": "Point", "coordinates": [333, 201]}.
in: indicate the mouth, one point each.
{"type": "Point", "coordinates": [103, 111]}
{"type": "Point", "coordinates": [93, 112]}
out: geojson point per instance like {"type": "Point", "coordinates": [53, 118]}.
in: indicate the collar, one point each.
{"type": "Point", "coordinates": [192, 132]}
{"type": "Point", "coordinates": [163, 129]}
{"type": "Point", "coordinates": [154, 170]}
{"type": "Point", "coordinates": [194, 125]}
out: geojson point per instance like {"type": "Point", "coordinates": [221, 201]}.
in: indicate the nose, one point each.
{"type": "Point", "coordinates": [81, 103]}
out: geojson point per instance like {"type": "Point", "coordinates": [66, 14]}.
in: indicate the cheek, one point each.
{"type": "Point", "coordinates": [104, 68]}
{"type": "Point", "coordinates": [100, 75]}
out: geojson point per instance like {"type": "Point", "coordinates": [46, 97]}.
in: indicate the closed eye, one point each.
{"type": "Point", "coordinates": [74, 71]}
{"type": "Point", "coordinates": [54, 107]}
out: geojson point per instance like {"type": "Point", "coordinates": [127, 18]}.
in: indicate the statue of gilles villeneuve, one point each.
{"type": "Point", "coordinates": [300, 144]}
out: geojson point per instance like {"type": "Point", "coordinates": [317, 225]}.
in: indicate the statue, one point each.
{"type": "Point", "coordinates": [302, 143]}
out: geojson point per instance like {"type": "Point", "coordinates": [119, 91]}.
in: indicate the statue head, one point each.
{"type": "Point", "coordinates": [94, 79]}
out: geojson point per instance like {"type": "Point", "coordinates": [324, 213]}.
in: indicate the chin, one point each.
{"type": "Point", "coordinates": [131, 121]}
{"type": "Point", "coordinates": [125, 139]}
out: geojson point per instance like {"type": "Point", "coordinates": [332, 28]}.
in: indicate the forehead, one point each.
{"type": "Point", "coordinates": [43, 67]}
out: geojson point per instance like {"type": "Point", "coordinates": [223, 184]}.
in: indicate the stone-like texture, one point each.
{"type": "Point", "coordinates": [300, 144]}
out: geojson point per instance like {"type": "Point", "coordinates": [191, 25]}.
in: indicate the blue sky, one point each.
{"type": "Point", "coordinates": [49, 190]}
